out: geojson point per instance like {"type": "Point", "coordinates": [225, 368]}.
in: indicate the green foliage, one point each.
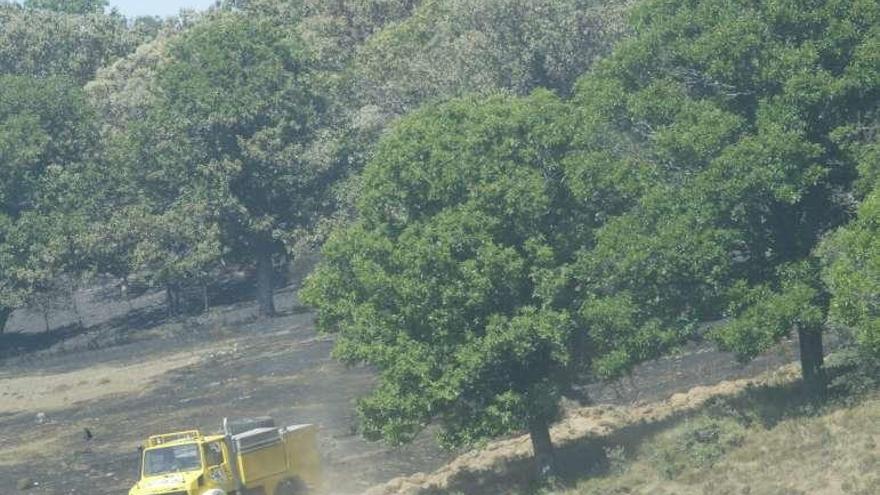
{"type": "Point", "coordinates": [123, 92]}
{"type": "Point", "coordinates": [739, 123]}
{"type": "Point", "coordinates": [332, 31]}
{"type": "Point", "coordinates": [449, 48]}
{"type": "Point", "coordinates": [463, 208]}
{"type": "Point", "coordinates": [653, 273]}
{"type": "Point", "coordinates": [856, 374]}
{"type": "Point", "coordinates": [46, 132]}
{"type": "Point", "coordinates": [68, 6]}
{"type": "Point", "coordinates": [249, 128]}
{"type": "Point", "coordinates": [705, 163]}
{"type": "Point", "coordinates": [852, 273]}
{"type": "Point", "coordinates": [45, 43]}
{"type": "Point", "coordinates": [214, 150]}
{"type": "Point", "coordinates": [177, 246]}
{"type": "Point", "coordinates": [40, 130]}
{"type": "Point", "coordinates": [698, 444]}
{"type": "Point", "coordinates": [335, 30]}
{"type": "Point", "coordinates": [765, 315]}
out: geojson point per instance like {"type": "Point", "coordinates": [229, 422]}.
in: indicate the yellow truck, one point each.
{"type": "Point", "coordinates": [249, 457]}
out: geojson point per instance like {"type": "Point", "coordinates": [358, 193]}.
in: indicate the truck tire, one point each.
{"type": "Point", "coordinates": [294, 486]}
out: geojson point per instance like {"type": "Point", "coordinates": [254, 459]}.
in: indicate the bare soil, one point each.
{"type": "Point", "coordinates": [135, 373]}
{"type": "Point", "coordinates": [186, 373]}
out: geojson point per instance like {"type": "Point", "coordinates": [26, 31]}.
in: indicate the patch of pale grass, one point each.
{"type": "Point", "coordinates": [829, 453]}
{"type": "Point", "coordinates": [48, 392]}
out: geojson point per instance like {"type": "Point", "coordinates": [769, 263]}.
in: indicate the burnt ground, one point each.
{"type": "Point", "coordinates": [243, 367]}
{"type": "Point", "coordinates": [124, 381]}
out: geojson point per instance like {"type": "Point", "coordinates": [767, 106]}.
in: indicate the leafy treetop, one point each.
{"type": "Point", "coordinates": [739, 115]}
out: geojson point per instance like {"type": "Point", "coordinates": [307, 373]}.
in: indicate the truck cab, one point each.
{"type": "Point", "coordinates": [251, 458]}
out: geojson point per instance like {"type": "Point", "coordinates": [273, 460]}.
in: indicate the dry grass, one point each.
{"type": "Point", "coordinates": [48, 392]}
{"type": "Point", "coordinates": [746, 437]}
{"type": "Point", "coordinates": [763, 449]}
{"type": "Point", "coordinates": [505, 466]}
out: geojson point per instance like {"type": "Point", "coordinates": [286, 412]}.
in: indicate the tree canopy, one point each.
{"type": "Point", "coordinates": [46, 130]}
{"type": "Point", "coordinates": [43, 43]}
{"type": "Point", "coordinates": [68, 6]}
{"type": "Point", "coordinates": [450, 48]}
{"type": "Point", "coordinates": [234, 131]}
{"type": "Point", "coordinates": [454, 280]}
{"type": "Point", "coordinates": [736, 111]}
{"type": "Point", "coordinates": [708, 157]}
{"type": "Point", "coordinates": [435, 284]}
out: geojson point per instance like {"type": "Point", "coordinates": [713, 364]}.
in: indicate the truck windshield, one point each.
{"type": "Point", "coordinates": [173, 459]}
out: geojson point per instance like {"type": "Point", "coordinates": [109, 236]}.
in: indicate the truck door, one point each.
{"type": "Point", "coordinates": [217, 464]}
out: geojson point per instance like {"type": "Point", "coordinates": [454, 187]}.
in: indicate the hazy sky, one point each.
{"type": "Point", "coordinates": [162, 8]}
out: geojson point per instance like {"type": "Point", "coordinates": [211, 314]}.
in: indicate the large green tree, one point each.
{"type": "Point", "coordinates": [45, 54]}
{"type": "Point", "coordinates": [738, 113]}
{"type": "Point", "coordinates": [46, 131]}
{"type": "Point", "coordinates": [454, 280]}
{"type": "Point", "coordinates": [144, 221]}
{"type": "Point", "coordinates": [234, 128]}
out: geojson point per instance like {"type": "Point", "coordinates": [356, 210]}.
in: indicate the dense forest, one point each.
{"type": "Point", "coordinates": [510, 197]}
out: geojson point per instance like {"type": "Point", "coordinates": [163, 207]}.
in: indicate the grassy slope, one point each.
{"type": "Point", "coordinates": [756, 436]}
{"type": "Point", "coordinates": [763, 444]}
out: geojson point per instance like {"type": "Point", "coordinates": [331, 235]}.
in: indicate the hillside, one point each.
{"type": "Point", "coordinates": [124, 384]}
{"type": "Point", "coordinates": [749, 436]}
{"type": "Point", "coordinates": [832, 452]}
{"type": "Point", "coordinates": [179, 374]}
{"type": "Point", "coordinates": [763, 443]}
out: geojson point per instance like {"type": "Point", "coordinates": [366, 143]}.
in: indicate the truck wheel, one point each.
{"type": "Point", "coordinates": [292, 487]}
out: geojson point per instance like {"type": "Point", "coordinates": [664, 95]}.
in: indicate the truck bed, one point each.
{"type": "Point", "coordinates": [264, 453]}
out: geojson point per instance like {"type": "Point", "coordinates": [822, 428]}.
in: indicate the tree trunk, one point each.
{"type": "Point", "coordinates": [265, 281]}
{"type": "Point", "coordinates": [169, 301]}
{"type": "Point", "coordinates": [125, 294]}
{"type": "Point", "coordinates": [812, 361]}
{"type": "Point", "coordinates": [172, 297]}
{"type": "Point", "coordinates": [5, 313]}
{"type": "Point", "coordinates": [545, 462]}
{"type": "Point", "coordinates": [205, 300]}
{"type": "Point", "coordinates": [76, 311]}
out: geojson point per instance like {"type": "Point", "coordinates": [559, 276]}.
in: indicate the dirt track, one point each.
{"type": "Point", "coordinates": [191, 373]}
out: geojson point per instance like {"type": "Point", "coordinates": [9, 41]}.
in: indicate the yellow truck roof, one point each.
{"type": "Point", "coordinates": [180, 437]}
{"type": "Point", "coordinates": [174, 438]}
